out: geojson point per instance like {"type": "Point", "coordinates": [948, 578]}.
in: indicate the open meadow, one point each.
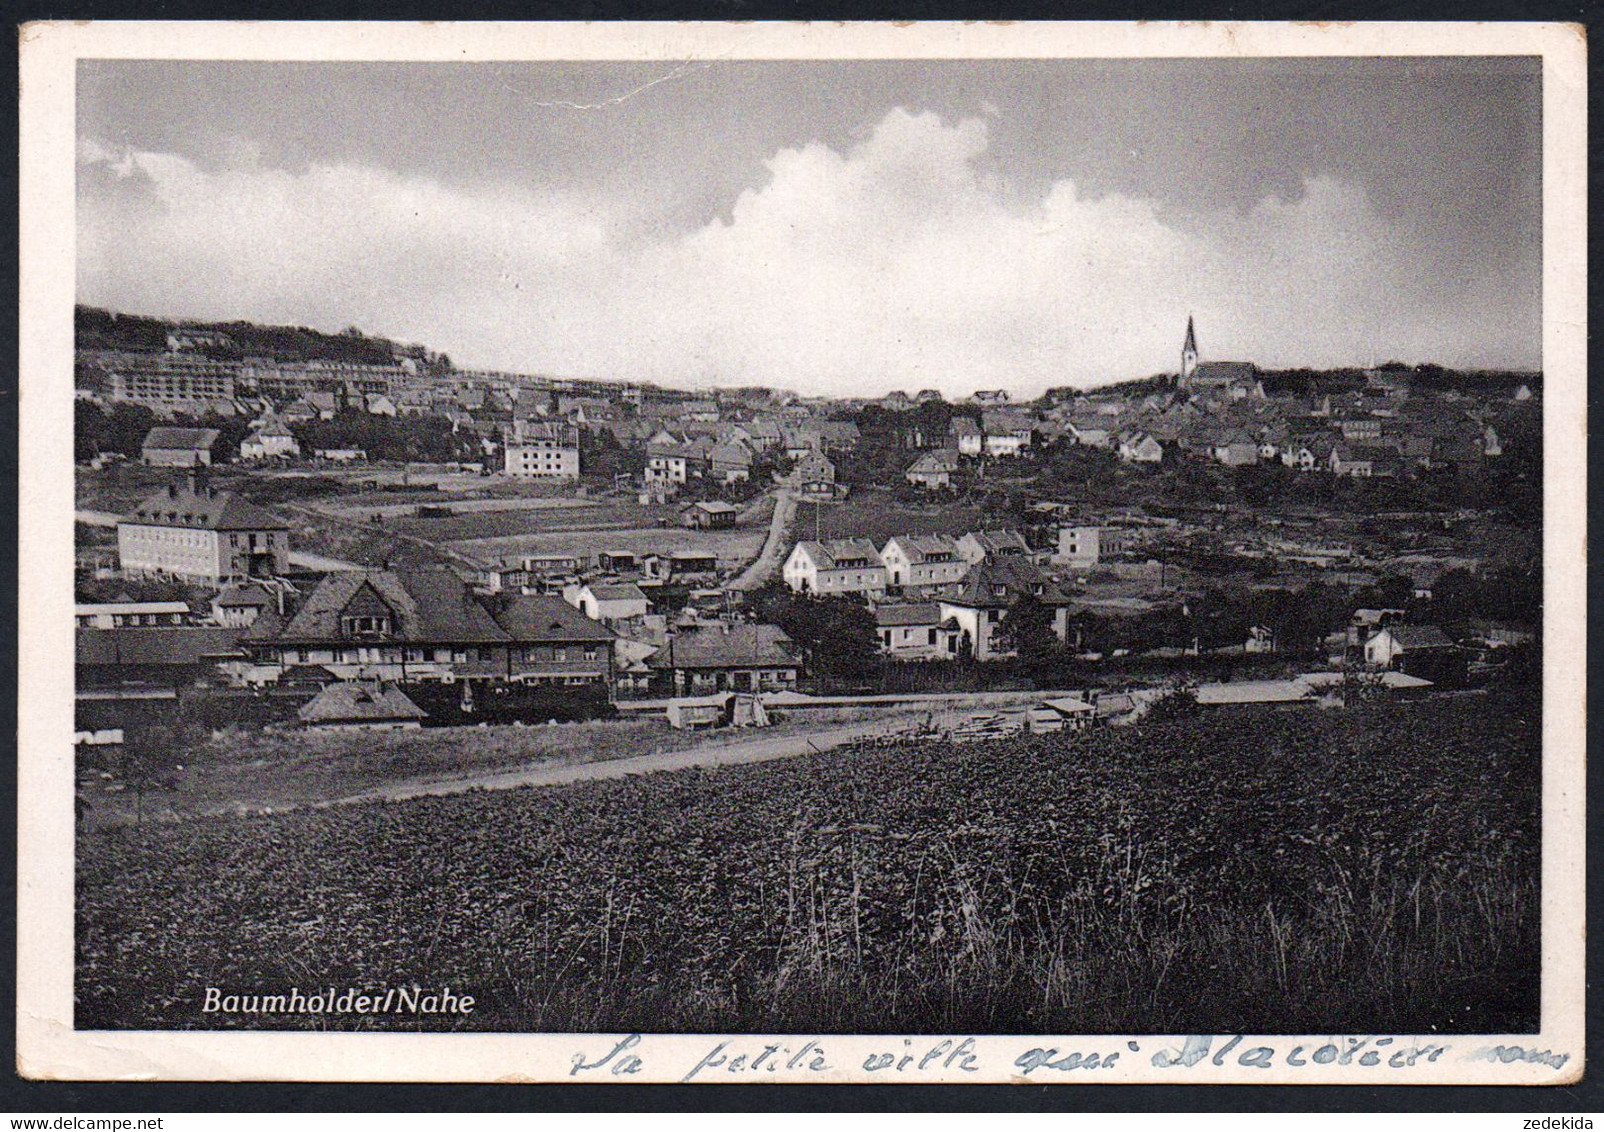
{"type": "Point", "coordinates": [1253, 870]}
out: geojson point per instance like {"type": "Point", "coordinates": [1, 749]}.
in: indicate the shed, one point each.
{"type": "Point", "coordinates": [353, 705]}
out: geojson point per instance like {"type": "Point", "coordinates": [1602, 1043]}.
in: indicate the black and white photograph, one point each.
{"type": "Point", "coordinates": [711, 563]}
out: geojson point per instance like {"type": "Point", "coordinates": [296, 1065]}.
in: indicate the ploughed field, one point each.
{"type": "Point", "coordinates": [1252, 870]}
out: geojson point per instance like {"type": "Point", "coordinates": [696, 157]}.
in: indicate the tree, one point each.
{"type": "Point", "coordinates": [838, 634]}
{"type": "Point", "coordinates": [1027, 630]}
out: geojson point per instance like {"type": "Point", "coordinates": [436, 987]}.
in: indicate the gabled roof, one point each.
{"type": "Point", "coordinates": [532, 618]}
{"type": "Point", "coordinates": [915, 613]}
{"type": "Point", "coordinates": [426, 605]}
{"type": "Point", "coordinates": [1420, 637]}
{"type": "Point", "coordinates": [726, 645]}
{"type": "Point", "coordinates": [1001, 541]}
{"type": "Point", "coordinates": [355, 701]}
{"type": "Point", "coordinates": [827, 554]}
{"type": "Point", "coordinates": [918, 548]}
{"type": "Point", "coordinates": [198, 508]}
{"type": "Point", "coordinates": [167, 437]}
{"type": "Point", "coordinates": [712, 507]}
{"type": "Point", "coordinates": [941, 460]}
{"type": "Point", "coordinates": [1013, 577]}
{"type": "Point", "coordinates": [244, 597]}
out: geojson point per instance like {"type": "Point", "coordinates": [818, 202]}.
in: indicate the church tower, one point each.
{"type": "Point", "coordinates": [1188, 352]}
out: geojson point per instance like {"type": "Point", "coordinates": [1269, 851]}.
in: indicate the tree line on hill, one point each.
{"type": "Point", "coordinates": [96, 329]}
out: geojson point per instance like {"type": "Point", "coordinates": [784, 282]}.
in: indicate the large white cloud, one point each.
{"type": "Point", "coordinates": [901, 263]}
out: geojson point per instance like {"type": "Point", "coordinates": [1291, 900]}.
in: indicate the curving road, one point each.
{"type": "Point", "coordinates": [772, 556]}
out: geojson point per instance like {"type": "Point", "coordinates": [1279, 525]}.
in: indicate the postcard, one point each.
{"type": "Point", "coordinates": [802, 553]}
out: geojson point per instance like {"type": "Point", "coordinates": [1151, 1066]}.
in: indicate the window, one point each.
{"type": "Point", "coordinates": [363, 626]}
{"type": "Point", "coordinates": [559, 654]}
{"type": "Point", "coordinates": [590, 652]}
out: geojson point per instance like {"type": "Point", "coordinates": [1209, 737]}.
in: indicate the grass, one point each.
{"type": "Point", "coordinates": [1370, 871]}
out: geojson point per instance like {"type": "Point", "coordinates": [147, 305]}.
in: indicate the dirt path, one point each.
{"type": "Point", "coordinates": [756, 748]}
{"type": "Point", "coordinates": [773, 553]}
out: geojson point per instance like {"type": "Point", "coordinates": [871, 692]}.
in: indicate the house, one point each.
{"type": "Point", "coordinates": [813, 479]}
{"type": "Point", "coordinates": [323, 403]}
{"type": "Point", "coordinates": [933, 470]}
{"type": "Point", "coordinates": [1360, 428]}
{"type": "Point", "coordinates": [709, 515]}
{"type": "Point", "coordinates": [399, 624]}
{"type": "Point", "coordinates": [917, 631]}
{"type": "Point", "coordinates": [541, 450]}
{"type": "Point", "coordinates": [1389, 647]}
{"type": "Point", "coordinates": [991, 397]}
{"type": "Point", "coordinates": [198, 534]}
{"type": "Point", "coordinates": [183, 339]}
{"type": "Point", "coordinates": [1081, 547]}
{"type": "Point", "coordinates": [1140, 448]}
{"type": "Point", "coordinates": [353, 705]}
{"type": "Point", "coordinates": [675, 462]}
{"type": "Point", "coordinates": [238, 607]}
{"type": "Point", "coordinates": [130, 614]}
{"type": "Point", "coordinates": [551, 642]}
{"type": "Point", "coordinates": [168, 447]}
{"type": "Point", "coordinates": [896, 402]}
{"type": "Point", "coordinates": [966, 436]}
{"type": "Point", "coordinates": [168, 657]}
{"type": "Point", "coordinates": [730, 462]}
{"type": "Point", "coordinates": [610, 603]}
{"type": "Point", "coordinates": [727, 656]}
{"type": "Point", "coordinates": [835, 566]}
{"type": "Point", "coordinates": [1236, 449]}
{"type": "Point", "coordinates": [1007, 432]}
{"type": "Point", "coordinates": [927, 396]}
{"type": "Point", "coordinates": [379, 405]}
{"type": "Point", "coordinates": [980, 602]}
{"type": "Point", "coordinates": [915, 561]}
{"type": "Point", "coordinates": [272, 441]}
{"type": "Point", "coordinates": [706, 411]}
{"type": "Point", "coordinates": [978, 546]}
{"type": "Point", "coordinates": [1091, 435]}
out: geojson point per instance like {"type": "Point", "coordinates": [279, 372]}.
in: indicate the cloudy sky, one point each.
{"type": "Point", "coordinates": [839, 227]}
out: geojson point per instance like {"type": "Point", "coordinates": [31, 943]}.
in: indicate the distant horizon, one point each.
{"type": "Point", "coordinates": [833, 227]}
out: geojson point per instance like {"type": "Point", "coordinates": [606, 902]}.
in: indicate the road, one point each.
{"type": "Point", "coordinates": [756, 748]}
{"type": "Point", "coordinates": [772, 556]}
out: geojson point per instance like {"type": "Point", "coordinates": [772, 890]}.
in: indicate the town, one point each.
{"type": "Point", "coordinates": [283, 529]}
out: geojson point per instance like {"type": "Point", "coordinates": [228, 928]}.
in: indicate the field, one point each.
{"type": "Point", "coordinates": [731, 547]}
{"type": "Point", "coordinates": [1252, 871]}
{"type": "Point", "coordinates": [877, 516]}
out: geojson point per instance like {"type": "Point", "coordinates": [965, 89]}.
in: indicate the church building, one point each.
{"type": "Point", "coordinates": [1236, 380]}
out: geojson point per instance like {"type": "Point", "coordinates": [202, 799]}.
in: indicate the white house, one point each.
{"type": "Point", "coordinates": [609, 604]}
{"type": "Point", "coordinates": [923, 560]}
{"type": "Point", "coordinates": [1140, 448]}
{"type": "Point", "coordinates": [835, 566]}
{"type": "Point", "coordinates": [1084, 547]}
{"type": "Point", "coordinates": [916, 632]}
{"type": "Point", "coordinates": [270, 442]}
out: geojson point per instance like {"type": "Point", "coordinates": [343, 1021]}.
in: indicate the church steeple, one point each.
{"type": "Point", "coordinates": [1189, 352]}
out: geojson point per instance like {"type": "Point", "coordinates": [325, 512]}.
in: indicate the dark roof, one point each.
{"type": "Point", "coordinates": [828, 554]}
{"type": "Point", "coordinates": [726, 645]}
{"type": "Point", "coordinates": [1420, 637]}
{"type": "Point", "coordinates": [622, 591]}
{"type": "Point", "coordinates": [156, 646]}
{"type": "Point", "coordinates": [1015, 577]}
{"type": "Point", "coordinates": [204, 509]}
{"type": "Point", "coordinates": [181, 439]}
{"type": "Point", "coordinates": [245, 596]}
{"type": "Point", "coordinates": [426, 605]}
{"type": "Point", "coordinates": [1223, 373]}
{"type": "Point", "coordinates": [358, 702]}
{"type": "Point", "coordinates": [917, 613]}
{"type": "Point", "coordinates": [546, 617]}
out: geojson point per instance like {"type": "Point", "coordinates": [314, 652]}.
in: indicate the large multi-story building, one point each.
{"type": "Point", "coordinates": [914, 561]}
{"type": "Point", "coordinates": [195, 533]}
{"type": "Point", "coordinates": [174, 382]}
{"type": "Point", "coordinates": [542, 450]}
